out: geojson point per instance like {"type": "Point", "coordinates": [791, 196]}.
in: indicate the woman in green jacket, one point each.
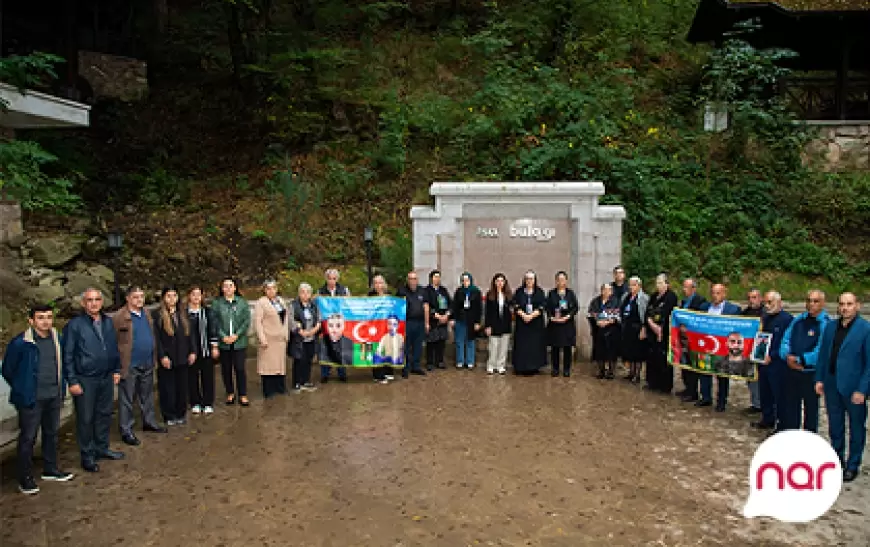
{"type": "Point", "coordinates": [233, 317]}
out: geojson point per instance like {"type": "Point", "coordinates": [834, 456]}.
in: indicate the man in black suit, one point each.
{"type": "Point", "coordinates": [336, 348]}
{"type": "Point", "coordinates": [691, 301]}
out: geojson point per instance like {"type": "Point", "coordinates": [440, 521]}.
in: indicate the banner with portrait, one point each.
{"type": "Point", "coordinates": [362, 331]}
{"type": "Point", "coordinates": [721, 345]}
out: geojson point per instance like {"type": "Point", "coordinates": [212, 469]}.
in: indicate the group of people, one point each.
{"type": "Point", "coordinates": [810, 355]}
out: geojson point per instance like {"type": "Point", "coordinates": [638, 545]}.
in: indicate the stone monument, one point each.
{"type": "Point", "coordinates": [512, 227]}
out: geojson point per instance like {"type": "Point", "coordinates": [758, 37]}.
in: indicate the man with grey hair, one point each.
{"type": "Point", "coordinates": [771, 374]}
{"type": "Point", "coordinates": [91, 367]}
{"type": "Point", "coordinates": [331, 287]}
{"type": "Point", "coordinates": [691, 301]}
{"type": "Point", "coordinates": [800, 350]}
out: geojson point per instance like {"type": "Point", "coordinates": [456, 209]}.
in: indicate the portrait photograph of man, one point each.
{"type": "Point", "coordinates": [391, 347]}
{"type": "Point", "coordinates": [336, 348]}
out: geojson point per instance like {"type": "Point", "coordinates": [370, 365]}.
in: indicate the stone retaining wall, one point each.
{"type": "Point", "coordinates": [840, 145]}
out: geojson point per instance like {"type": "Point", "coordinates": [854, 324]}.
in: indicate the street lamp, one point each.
{"type": "Point", "coordinates": [369, 235]}
{"type": "Point", "coordinates": [116, 243]}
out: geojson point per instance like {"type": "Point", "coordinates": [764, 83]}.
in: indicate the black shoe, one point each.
{"type": "Point", "coordinates": [761, 425]}
{"type": "Point", "coordinates": [720, 407]}
{"type": "Point", "coordinates": [130, 439]}
{"type": "Point", "coordinates": [404, 374]}
{"type": "Point", "coordinates": [429, 368]}
{"type": "Point", "coordinates": [849, 475]}
{"type": "Point", "coordinates": [57, 476]}
{"type": "Point", "coordinates": [90, 466]}
{"type": "Point", "coordinates": [609, 376]}
{"type": "Point", "coordinates": [689, 398]}
{"type": "Point", "coordinates": [441, 366]}
{"type": "Point", "coordinates": [111, 455]}
{"type": "Point", "coordinates": [681, 393]}
{"type": "Point", "coordinates": [703, 403]}
{"type": "Point", "coordinates": [752, 410]}
{"type": "Point", "coordinates": [324, 380]}
{"type": "Point", "coordinates": [154, 428]}
{"type": "Point", "coordinates": [28, 486]}
{"type": "Point", "coordinates": [419, 372]}
{"type": "Point", "coordinates": [342, 379]}
{"type": "Point", "coordinates": [600, 375]}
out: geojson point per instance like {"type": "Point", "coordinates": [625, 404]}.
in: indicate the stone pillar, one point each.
{"type": "Point", "coordinates": [488, 225]}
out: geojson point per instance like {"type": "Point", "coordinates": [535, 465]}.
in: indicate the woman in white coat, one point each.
{"type": "Point", "coordinates": [270, 324]}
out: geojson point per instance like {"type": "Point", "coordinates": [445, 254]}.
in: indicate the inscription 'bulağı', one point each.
{"type": "Point", "coordinates": [531, 232]}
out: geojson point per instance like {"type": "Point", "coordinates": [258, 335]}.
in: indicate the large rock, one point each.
{"type": "Point", "coordinates": [55, 251]}
{"type": "Point", "coordinates": [10, 283]}
{"type": "Point", "coordinates": [102, 273]}
{"type": "Point", "coordinates": [44, 294]}
{"type": "Point", "coordinates": [77, 283]}
{"type": "Point", "coordinates": [94, 248]}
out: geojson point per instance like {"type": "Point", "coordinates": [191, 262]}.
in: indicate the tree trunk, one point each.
{"type": "Point", "coordinates": [236, 41]}
{"type": "Point", "coordinates": [161, 17]}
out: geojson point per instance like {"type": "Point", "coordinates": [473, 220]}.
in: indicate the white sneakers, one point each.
{"type": "Point", "coordinates": [389, 377]}
{"type": "Point", "coordinates": [208, 410]}
{"type": "Point", "coordinates": [196, 409]}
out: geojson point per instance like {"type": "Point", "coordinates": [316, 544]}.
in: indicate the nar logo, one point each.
{"type": "Point", "coordinates": [795, 476]}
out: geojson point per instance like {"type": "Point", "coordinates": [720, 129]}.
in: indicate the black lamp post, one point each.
{"type": "Point", "coordinates": [116, 243]}
{"type": "Point", "coordinates": [369, 235]}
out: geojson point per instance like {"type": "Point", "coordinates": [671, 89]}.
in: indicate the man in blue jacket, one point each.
{"type": "Point", "coordinates": [717, 306]}
{"type": "Point", "coordinates": [771, 375]}
{"type": "Point", "coordinates": [91, 366]}
{"type": "Point", "coordinates": [843, 377]}
{"type": "Point", "coordinates": [691, 301]}
{"type": "Point", "coordinates": [32, 368]}
{"type": "Point", "coordinates": [800, 349]}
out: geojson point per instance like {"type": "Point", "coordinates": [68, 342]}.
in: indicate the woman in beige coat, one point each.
{"type": "Point", "coordinates": [270, 324]}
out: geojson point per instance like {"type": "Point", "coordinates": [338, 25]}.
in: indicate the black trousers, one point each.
{"type": "Point", "coordinates": [435, 354]}
{"type": "Point", "coordinates": [659, 374]}
{"type": "Point", "coordinates": [302, 365]}
{"type": "Point", "coordinates": [566, 354]}
{"type": "Point", "coordinates": [94, 415]}
{"type": "Point", "coordinates": [801, 402]}
{"type": "Point", "coordinates": [233, 360]}
{"type": "Point", "coordinates": [44, 414]}
{"type": "Point", "coordinates": [201, 381]}
{"type": "Point", "coordinates": [690, 381]}
{"type": "Point", "coordinates": [274, 384]}
{"type": "Point", "coordinates": [172, 386]}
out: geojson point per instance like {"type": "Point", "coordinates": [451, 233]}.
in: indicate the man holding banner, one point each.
{"type": "Point", "coordinates": [718, 306]}
{"type": "Point", "coordinates": [691, 301]}
{"type": "Point", "coordinates": [713, 345]}
{"type": "Point", "coordinates": [416, 323]}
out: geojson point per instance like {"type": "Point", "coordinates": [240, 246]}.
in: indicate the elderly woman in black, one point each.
{"type": "Point", "coordinates": [603, 314]}
{"type": "Point", "coordinates": [439, 321]}
{"type": "Point", "coordinates": [659, 374]}
{"type": "Point", "coordinates": [632, 313]}
{"type": "Point", "coordinates": [562, 307]}
{"type": "Point", "coordinates": [530, 340]}
{"type": "Point", "coordinates": [175, 353]}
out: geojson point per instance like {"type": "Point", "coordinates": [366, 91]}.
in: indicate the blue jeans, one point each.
{"type": "Point", "coordinates": [464, 346]}
{"type": "Point", "coordinates": [771, 383]}
{"type": "Point", "coordinates": [722, 386]}
{"type": "Point", "coordinates": [326, 371]}
{"type": "Point", "coordinates": [839, 406]}
{"type": "Point", "coordinates": [415, 331]}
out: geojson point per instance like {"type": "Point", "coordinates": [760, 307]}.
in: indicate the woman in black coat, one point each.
{"type": "Point", "coordinates": [562, 307]}
{"type": "Point", "coordinates": [498, 315]}
{"type": "Point", "coordinates": [175, 353]}
{"type": "Point", "coordinates": [466, 317]}
{"type": "Point", "coordinates": [205, 345]}
{"type": "Point", "coordinates": [603, 314]}
{"type": "Point", "coordinates": [439, 321]}
{"type": "Point", "coordinates": [530, 339]}
{"type": "Point", "coordinates": [659, 374]}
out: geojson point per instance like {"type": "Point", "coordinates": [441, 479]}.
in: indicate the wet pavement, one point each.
{"type": "Point", "coordinates": [454, 458]}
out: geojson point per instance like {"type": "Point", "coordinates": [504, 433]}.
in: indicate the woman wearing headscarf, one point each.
{"type": "Point", "coordinates": [603, 313]}
{"type": "Point", "coordinates": [499, 317]}
{"type": "Point", "coordinates": [381, 375]}
{"type": "Point", "coordinates": [270, 324]}
{"type": "Point", "coordinates": [201, 373]}
{"type": "Point", "coordinates": [562, 307]}
{"type": "Point", "coordinates": [530, 343]}
{"type": "Point", "coordinates": [175, 352]}
{"type": "Point", "coordinates": [304, 326]}
{"type": "Point", "coordinates": [466, 317]}
{"type": "Point", "coordinates": [233, 317]}
{"type": "Point", "coordinates": [659, 374]}
{"type": "Point", "coordinates": [632, 314]}
{"type": "Point", "coordinates": [439, 321]}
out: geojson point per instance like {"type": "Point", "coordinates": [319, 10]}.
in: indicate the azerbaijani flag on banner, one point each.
{"type": "Point", "coordinates": [713, 344]}
{"type": "Point", "coordinates": [362, 331]}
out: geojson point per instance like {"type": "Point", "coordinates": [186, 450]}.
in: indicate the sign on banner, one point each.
{"type": "Point", "coordinates": [720, 345]}
{"type": "Point", "coordinates": [362, 331]}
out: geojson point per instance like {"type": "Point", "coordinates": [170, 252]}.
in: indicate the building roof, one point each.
{"type": "Point", "coordinates": [812, 5]}
{"type": "Point", "coordinates": [818, 30]}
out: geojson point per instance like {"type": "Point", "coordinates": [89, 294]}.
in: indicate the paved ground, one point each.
{"type": "Point", "coordinates": [456, 458]}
